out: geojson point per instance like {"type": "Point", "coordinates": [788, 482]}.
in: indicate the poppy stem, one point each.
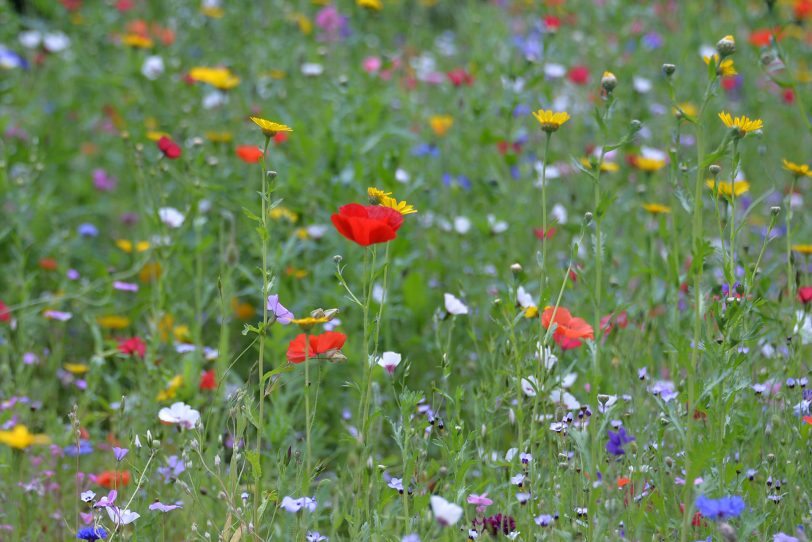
{"type": "Point", "coordinates": [308, 424]}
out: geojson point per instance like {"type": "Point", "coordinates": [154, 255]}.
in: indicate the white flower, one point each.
{"type": "Point", "coordinates": [447, 513]}
{"type": "Point", "coordinates": [30, 39]}
{"type": "Point", "coordinates": [454, 305]}
{"type": "Point", "coordinates": [401, 175]}
{"type": "Point", "coordinates": [181, 414]}
{"type": "Point", "coordinates": [153, 67]}
{"type": "Point", "coordinates": [213, 99]}
{"type": "Point", "coordinates": [462, 225]}
{"type": "Point", "coordinates": [317, 231]}
{"type": "Point", "coordinates": [137, 441]}
{"type": "Point", "coordinates": [389, 361]}
{"type": "Point", "coordinates": [803, 327]}
{"type": "Point", "coordinates": [171, 217]}
{"type": "Point", "coordinates": [641, 84]}
{"type": "Point", "coordinates": [54, 42]}
{"type": "Point", "coordinates": [497, 226]}
{"type": "Point", "coordinates": [121, 517]}
{"type": "Point", "coordinates": [87, 496]}
{"type": "Point", "coordinates": [565, 398]}
{"type": "Point", "coordinates": [554, 71]}
{"type": "Point", "coordinates": [311, 69]}
{"type": "Point", "coordinates": [525, 300]}
{"type": "Point", "coordinates": [529, 386]}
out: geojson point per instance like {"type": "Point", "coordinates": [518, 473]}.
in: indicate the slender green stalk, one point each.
{"type": "Point", "coordinates": [308, 420]}
{"type": "Point", "coordinates": [790, 273]}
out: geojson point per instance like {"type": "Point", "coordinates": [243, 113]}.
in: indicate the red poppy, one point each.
{"type": "Point", "coordinates": [579, 75]}
{"type": "Point", "coordinates": [620, 320]}
{"type": "Point", "coordinates": [170, 149]}
{"type": "Point", "coordinates": [280, 138]}
{"type": "Point", "coordinates": [805, 294]}
{"type": "Point", "coordinates": [208, 380]}
{"type": "Point", "coordinates": [541, 235]}
{"type": "Point", "coordinates": [133, 346]}
{"type": "Point", "coordinates": [124, 5]}
{"type": "Point", "coordinates": [460, 77]}
{"type": "Point", "coordinates": [5, 316]}
{"type": "Point", "coordinates": [802, 9]}
{"type": "Point", "coordinates": [48, 264]}
{"type": "Point", "coordinates": [761, 38]}
{"type": "Point", "coordinates": [552, 23]}
{"type": "Point", "coordinates": [367, 225]}
{"type": "Point", "coordinates": [319, 344]}
{"type": "Point", "coordinates": [788, 96]}
{"type": "Point", "coordinates": [249, 153]}
{"type": "Point", "coordinates": [72, 5]}
{"type": "Point", "coordinates": [111, 479]}
{"type": "Point", "coordinates": [569, 330]}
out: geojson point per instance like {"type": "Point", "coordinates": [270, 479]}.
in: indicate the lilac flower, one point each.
{"type": "Point", "coordinates": [544, 520]}
{"type": "Point", "coordinates": [314, 536]}
{"type": "Point", "coordinates": [174, 467]}
{"type": "Point", "coordinates": [411, 538]}
{"type": "Point", "coordinates": [107, 500]}
{"type": "Point", "coordinates": [396, 484]}
{"type": "Point", "coordinates": [481, 501]}
{"type": "Point", "coordinates": [283, 315]}
{"type": "Point", "coordinates": [87, 496]}
{"type": "Point", "coordinates": [726, 507]}
{"type": "Point", "coordinates": [294, 505]}
{"type": "Point", "coordinates": [426, 149]}
{"type": "Point", "coordinates": [57, 315]}
{"type": "Point", "coordinates": [120, 453]}
{"type": "Point", "coordinates": [617, 440]}
{"type": "Point", "coordinates": [84, 448]}
{"type": "Point", "coordinates": [781, 537]}
{"type": "Point", "coordinates": [161, 507]}
{"type": "Point", "coordinates": [102, 181]}
{"type": "Point", "coordinates": [125, 286]}
{"type": "Point", "coordinates": [87, 230]}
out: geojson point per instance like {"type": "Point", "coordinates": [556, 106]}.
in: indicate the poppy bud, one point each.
{"type": "Point", "coordinates": [669, 69]}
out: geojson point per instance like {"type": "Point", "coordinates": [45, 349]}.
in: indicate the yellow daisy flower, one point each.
{"type": "Point", "coordinates": [376, 195]}
{"type": "Point", "coordinates": [309, 322]}
{"type": "Point", "coordinates": [728, 189]}
{"type": "Point", "coordinates": [685, 109]}
{"type": "Point", "coordinates": [280, 212]}
{"type": "Point", "coordinates": [725, 68]}
{"type": "Point", "coordinates": [127, 245]}
{"type": "Point", "coordinates": [656, 208]}
{"type": "Point", "coordinates": [375, 5]}
{"type": "Point", "coordinates": [798, 169]}
{"type": "Point", "coordinates": [113, 322]}
{"type": "Point", "coordinates": [649, 164]}
{"type": "Point", "coordinates": [441, 124]}
{"type": "Point", "coordinates": [743, 125]}
{"type": "Point", "coordinates": [606, 167]}
{"type": "Point", "coordinates": [136, 40]}
{"type": "Point", "coordinates": [76, 368]}
{"type": "Point", "coordinates": [221, 78]}
{"type": "Point", "coordinates": [531, 312]}
{"type": "Point", "coordinates": [270, 128]}
{"type": "Point", "coordinates": [551, 121]}
{"type": "Point", "coordinates": [21, 438]}
{"type": "Point", "coordinates": [171, 389]}
{"type": "Point", "coordinates": [379, 197]}
{"type": "Point", "coordinates": [803, 249]}
{"type": "Point", "coordinates": [213, 12]}
{"type": "Point", "coordinates": [219, 137]}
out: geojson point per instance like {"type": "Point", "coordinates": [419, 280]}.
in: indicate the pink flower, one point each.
{"type": "Point", "coordinates": [481, 501]}
{"type": "Point", "coordinates": [372, 64]}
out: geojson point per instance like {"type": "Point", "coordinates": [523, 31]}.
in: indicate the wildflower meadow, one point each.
{"type": "Point", "coordinates": [405, 270]}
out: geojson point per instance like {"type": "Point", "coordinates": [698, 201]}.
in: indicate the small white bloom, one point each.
{"type": "Point", "coordinates": [311, 69]}
{"type": "Point", "coordinates": [559, 213]}
{"type": "Point", "coordinates": [121, 517]}
{"type": "Point", "coordinates": [55, 42]}
{"type": "Point", "coordinates": [497, 226]}
{"type": "Point", "coordinates": [525, 300]}
{"type": "Point", "coordinates": [462, 225]}
{"type": "Point", "coordinates": [30, 39]}
{"type": "Point", "coordinates": [87, 496]}
{"type": "Point", "coordinates": [153, 67]}
{"type": "Point", "coordinates": [401, 175]}
{"type": "Point", "coordinates": [641, 84]}
{"type": "Point", "coordinates": [389, 361]}
{"type": "Point", "coordinates": [454, 305]}
{"type": "Point", "coordinates": [171, 217]}
{"type": "Point", "coordinates": [446, 513]}
{"type": "Point", "coordinates": [213, 99]}
{"type": "Point", "coordinates": [529, 386]}
{"type": "Point", "coordinates": [181, 414]}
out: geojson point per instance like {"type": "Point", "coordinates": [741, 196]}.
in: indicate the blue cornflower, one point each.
{"type": "Point", "coordinates": [91, 533]}
{"type": "Point", "coordinates": [87, 230]}
{"type": "Point", "coordinates": [617, 440]}
{"type": "Point", "coordinates": [426, 149]}
{"type": "Point", "coordinates": [726, 507]}
{"type": "Point", "coordinates": [84, 448]}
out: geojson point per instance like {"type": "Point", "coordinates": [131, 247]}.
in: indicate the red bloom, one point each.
{"type": "Point", "coordinates": [319, 344]}
{"type": "Point", "coordinates": [609, 321]}
{"type": "Point", "coordinates": [110, 479]}
{"type": "Point", "coordinates": [367, 225]}
{"type": "Point", "coordinates": [808, 419]}
{"type": "Point", "coordinates": [579, 75]}
{"type": "Point", "coordinates": [280, 138]}
{"type": "Point", "coordinates": [124, 5]}
{"type": "Point", "coordinates": [48, 264]}
{"type": "Point", "coordinates": [552, 23]}
{"type": "Point", "coordinates": [541, 235]}
{"type": "Point", "coordinates": [208, 380]}
{"type": "Point", "coordinates": [5, 316]}
{"type": "Point", "coordinates": [805, 294]}
{"type": "Point", "coordinates": [788, 96]}
{"type": "Point", "coordinates": [761, 38]}
{"type": "Point", "coordinates": [249, 153]}
{"type": "Point", "coordinates": [170, 149]}
{"type": "Point", "coordinates": [459, 77]}
{"type": "Point", "coordinates": [72, 5]}
{"type": "Point", "coordinates": [569, 330]}
{"type": "Point", "coordinates": [133, 346]}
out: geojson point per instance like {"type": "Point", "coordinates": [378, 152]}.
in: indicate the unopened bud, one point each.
{"type": "Point", "coordinates": [587, 218]}
{"type": "Point", "coordinates": [608, 81]}
{"type": "Point", "coordinates": [635, 125]}
{"type": "Point", "coordinates": [715, 169]}
{"type": "Point", "coordinates": [337, 258]}
{"type": "Point", "coordinates": [775, 210]}
{"type": "Point", "coordinates": [272, 175]}
{"type": "Point", "coordinates": [726, 46]}
{"type": "Point", "coordinates": [516, 268]}
{"type": "Point", "coordinates": [669, 69]}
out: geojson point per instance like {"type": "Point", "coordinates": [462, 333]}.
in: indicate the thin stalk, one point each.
{"type": "Point", "coordinates": [308, 456]}
{"type": "Point", "coordinates": [790, 274]}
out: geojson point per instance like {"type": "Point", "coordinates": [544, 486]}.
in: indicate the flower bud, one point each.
{"type": "Point", "coordinates": [775, 210]}
{"type": "Point", "coordinates": [587, 218]}
{"type": "Point", "coordinates": [715, 169]}
{"type": "Point", "coordinates": [669, 69]}
{"type": "Point", "coordinates": [516, 268]}
{"type": "Point", "coordinates": [337, 258]}
{"type": "Point", "coordinates": [635, 125]}
{"type": "Point", "coordinates": [726, 46]}
{"type": "Point", "coordinates": [608, 81]}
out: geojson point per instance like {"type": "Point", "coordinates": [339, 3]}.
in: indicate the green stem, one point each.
{"type": "Point", "coordinates": [308, 423]}
{"type": "Point", "coordinates": [790, 274]}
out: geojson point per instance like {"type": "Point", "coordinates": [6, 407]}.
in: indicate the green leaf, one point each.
{"type": "Point", "coordinates": [256, 469]}
{"type": "Point", "coordinates": [250, 215]}
{"type": "Point", "coordinates": [279, 370]}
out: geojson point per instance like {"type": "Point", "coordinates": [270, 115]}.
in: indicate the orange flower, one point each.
{"type": "Point", "coordinates": [249, 153]}
{"type": "Point", "coordinates": [113, 479]}
{"type": "Point", "coordinates": [569, 330]}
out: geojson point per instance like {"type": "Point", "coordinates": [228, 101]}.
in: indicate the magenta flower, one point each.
{"type": "Point", "coordinates": [161, 507]}
{"type": "Point", "coordinates": [104, 182]}
{"type": "Point", "coordinates": [481, 501]}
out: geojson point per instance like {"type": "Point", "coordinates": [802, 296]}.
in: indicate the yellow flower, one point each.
{"type": "Point", "coordinates": [686, 109]}
{"type": "Point", "coordinates": [304, 24]}
{"type": "Point", "coordinates": [606, 167]}
{"type": "Point", "coordinates": [742, 125]}
{"type": "Point", "coordinates": [400, 206]}
{"type": "Point", "coordinates": [656, 208]}
{"type": "Point", "coordinates": [219, 137]}
{"type": "Point", "coordinates": [302, 234]}
{"type": "Point", "coordinates": [136, 40]}
{"type": "Point", "coordinates": [309, 322]}
{"type": "Point", "coordinates": [113, 322]}
{"type": "Point", "coordinates": [798, 169]}
{"type": "Point", "coordinates": [127, 245]}
{"type": "Point", "coordinates": [375, 5]}
{"type": "Point", "coordinates": [155, 135]}
{"type": "Point", "coordinates": [278, 213]}
{"type": "Point", "coordinates": [729, 189]}
{"type": "Point", "coordinates": [150, 272]}
{"type": "Point", "coordinates": [296, 272]}
{"type": "Point", "coordinates": [550, 121]}
{"type": "Point", "coordinates": [376, 195]}
{"type": "Point", "coordinates": [181, 333]}
{"type": "Point", "coordinates": [171, 389]}
{"type": "Point", "coordinates": [649, 164]}
{"type": "Point", "coordinates": [76, 368]}
{"type": "Point", "coordinates": [269, 128]}
{"type": "Point", "coordinates": [531, 312]}
{"type": "Point", "coordinates": [278, 74]}
{"type": "Point", "coordinates": [441, 124]}
{"type": "Point", "coordinates": [724, 68]}
{"type": "Point", "coordinates": [803, 249]}
{"type": "Point", "coordinates": [213, 12]}
{"type": "Point", "coordinates": [221, 78]}
{"type": "Point", "coordinates": [19, 437]}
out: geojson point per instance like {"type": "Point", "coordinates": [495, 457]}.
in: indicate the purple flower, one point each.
{"type": "Point", "coordinates": [174, 467]}
{"type": "Point", "coordinates": [617, 440]}
{"type": "Point", "coordinates": [161, 507]}
{"type": "Point", "coordinates": [102, 181]}
{"type": "Point", "coordinates": [87, 230]}
{"type": "Point", "coordinates": [314, 536]}
{"type": "Point", "coordinates": [107, 500]}
{"type": "Point", "coordinates": [283, 315]}
{"type": "Point", "coordinates": [120, 452]}
{"type": "Point", "coordinates": [125, 286]}
{"type": "Point", "coordinates": [396, 484]}
{"type": "Point", "coordinates": [84, 448]}
{"type": "Point", "coordinates": [91, 533]}
{"type": "Point", "coordinates": [726, 507]}
{"type": "Point", "coordinates": [294, 505]}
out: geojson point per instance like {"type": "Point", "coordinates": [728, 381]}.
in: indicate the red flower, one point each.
{"type": "Point", "coordinates": [133, 346]}
{"type": "Point", "coordinates": [579, 75]}
{"type": "Point", "coordinates": [208, 380]}
{"type": "Point", "coordinates": [569, 330]}
{"type": "Point", "coordinates": [249, 153]}
{"type": "Point", "coordinates": [124, 5]}
{"type": "Point", "coordinates": [48, 264]}
{"type": "Point", "coordinates": [761, 38]}
{"type": "Point", "coordinates": [72, 5]}
{"type": "Point", "coordinates": [5, 316]}
{"type": "Point", "coordinates": [805, 294]}
{"type": "Point", "coordinates": [170, 149]}
{"type": "Point", "coordinates": [620, 320]}
{"type": "Point", "coordinates": [367, 225]}
{"type": "Point", "coordinates": [319, 344]}
{"type": "Point", "coordinates": [110, 479]}
{"type": "Point", "coordinates": [280, 138]}
{"type": "Point", "coordinates": [541, 235]}
{"type": "Point", "coordinates": [808, 419]}
{"type": "Point", "coordinates": [789, 96]}
{"type": "Point", "coordinates": [552, 23]}
{"type": "Point", "coordinates": [459, 77]}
